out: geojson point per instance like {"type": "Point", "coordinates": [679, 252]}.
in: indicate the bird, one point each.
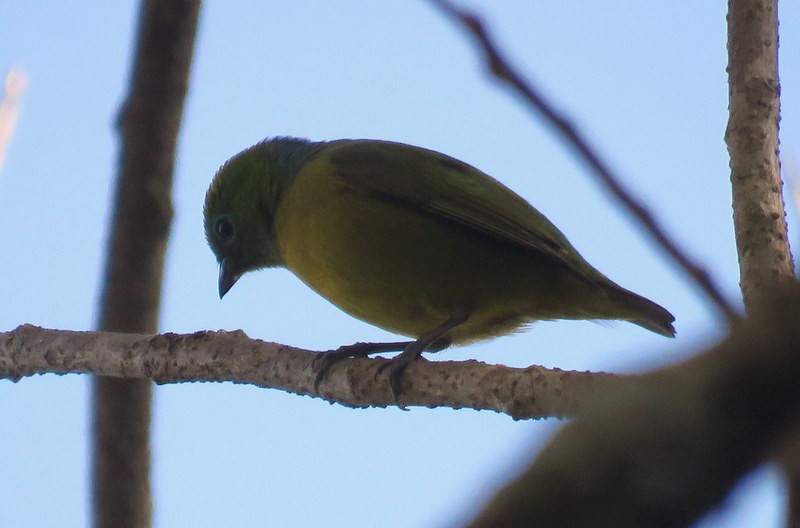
{"type": "Point", "coordinates": [408, 239]}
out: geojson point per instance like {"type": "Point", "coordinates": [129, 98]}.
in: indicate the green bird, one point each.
{"type": "Point", "coordinates": [407, 239]}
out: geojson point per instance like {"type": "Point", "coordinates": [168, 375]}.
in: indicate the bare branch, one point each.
{"type": "Point", "coordinates": [503, 70]}
{"type": "Point", "coordinates": [533, 392]}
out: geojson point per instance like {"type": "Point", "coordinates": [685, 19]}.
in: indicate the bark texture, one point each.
{"type": "Point", "coordinates": [532, 392]}
{"type": "Point", "coordinates": [765, 260]}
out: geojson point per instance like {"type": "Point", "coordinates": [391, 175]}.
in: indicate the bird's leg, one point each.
{"type": "Point", "coordinates": [325, 360]}
{"type": "Point", "coordinates": [434, 341]}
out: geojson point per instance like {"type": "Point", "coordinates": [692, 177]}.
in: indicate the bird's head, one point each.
{"type": "Point", "coordinates": [238, 217]}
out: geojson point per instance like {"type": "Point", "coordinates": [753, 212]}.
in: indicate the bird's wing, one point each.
{"type": "Point", "coordinates": [452, 190]}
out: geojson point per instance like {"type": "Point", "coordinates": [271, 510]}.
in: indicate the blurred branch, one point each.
{"type": "Point", "coordinates": [14, 86]}
{"type": "Point", "coordinates": [504, 71]}
{"type": "Point", "coordinates": [533, 392]}
{"type": "Point", "coordinates": [650, 450]}
{"type": "Point", "coordinates": [148, 125]}
{"type": "Point", "coordinates": [663, 450]}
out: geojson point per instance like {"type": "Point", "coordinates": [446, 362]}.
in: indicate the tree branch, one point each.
{"type": "Point", "coordinates": [504, 71]}
{"type": "Point", "coordinates": [148, 124]}
{"type": "Point", "coordinates": [663, 450]}
{"type": "Point", "coordinates": [533, 392]}
{"type": "Point", "coordinates": [759, 214]}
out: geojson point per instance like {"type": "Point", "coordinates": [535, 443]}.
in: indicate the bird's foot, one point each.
{"type": "Point", "coordinates": [410, 351]}
{"type": "Point", "coordinates": [396, 366]}
{"type": "Point", "coordinates": [325, 360]}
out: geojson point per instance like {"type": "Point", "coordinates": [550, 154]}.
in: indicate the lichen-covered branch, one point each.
{"type": "Point", "coordinates": [533, 392]}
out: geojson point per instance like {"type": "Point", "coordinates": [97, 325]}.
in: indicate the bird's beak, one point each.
{"type": "Point", "coordinates": [227, 278]}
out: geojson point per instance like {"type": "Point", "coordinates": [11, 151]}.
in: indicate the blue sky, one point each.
{"type": "Point", "coordinates": [645, 80]}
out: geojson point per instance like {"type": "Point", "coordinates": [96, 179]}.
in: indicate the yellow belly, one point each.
{"type": "Point", "coordinates": [407, 271]}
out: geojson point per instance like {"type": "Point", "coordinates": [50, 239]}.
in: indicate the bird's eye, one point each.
{"type": "Point", "coordinates": [224, 228]}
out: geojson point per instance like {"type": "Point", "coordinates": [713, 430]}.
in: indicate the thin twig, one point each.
{"type": "Point", "coordinates": [504, 71]}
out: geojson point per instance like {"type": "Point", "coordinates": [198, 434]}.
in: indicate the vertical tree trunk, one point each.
{"type": "Point", "coordinates": [765, 258]}
{"type": "Point", "coordinates": [752, 137]}
{"type": "Point", "coordinates": [148, 123]}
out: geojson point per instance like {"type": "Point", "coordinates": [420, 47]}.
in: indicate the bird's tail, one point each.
{"type": "Point", "coordinates": [644, 312]}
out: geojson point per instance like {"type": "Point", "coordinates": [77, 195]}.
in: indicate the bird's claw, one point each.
{"type": "Point", "coordinates": [395, 369]}
{"type": "Point", "coordinates": [321, 364]}
{"type": "Point", "coordinates": [323, 361]}
{"type": "Point", "coordinates": [396, 366]}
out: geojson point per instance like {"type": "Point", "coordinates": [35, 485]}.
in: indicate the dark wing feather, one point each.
{"type": "Point", "coordinates": [452, 190]}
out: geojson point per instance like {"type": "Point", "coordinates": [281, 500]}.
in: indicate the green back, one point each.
{"type": "Point", "coordinates": [453, 191]}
